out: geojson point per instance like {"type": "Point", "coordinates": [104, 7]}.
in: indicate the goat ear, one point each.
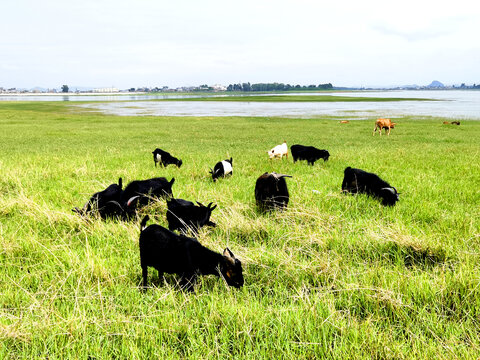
{"type": "Point", "coordinates": [228, 253]}
{"type": "Point", "coordinates": [231, 161]}
{"type": "Point", "coordinates": [213, 208]}
{"type": "Point", "coordinates": [120, 183]}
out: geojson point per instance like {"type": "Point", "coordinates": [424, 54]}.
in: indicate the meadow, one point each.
{"type": "Point", "coordinates": [334, 276]}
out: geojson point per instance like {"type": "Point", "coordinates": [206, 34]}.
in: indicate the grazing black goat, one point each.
{"type": "Point", "coordinates": [359, 181]}
{"type": "Point", "coordinates": [222, 169]}
{"type": "Point", "coordinates": [177, 254]}
{"type": "Point", "coordinates": [106, 203]}
{"type": "Point", "coordinates": [309, 153]}
{"type": "Point", "coordinates": [165, 159]}
{"type": "Point", "coordinates": [183, 215]}
{"type": "Point", "coordinates": [271, 191]}
{"type": "Point", "coordinates": [138, 193]}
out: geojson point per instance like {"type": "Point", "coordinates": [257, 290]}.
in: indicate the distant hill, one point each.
{"type": "Point", "coordinates": [436, 84]}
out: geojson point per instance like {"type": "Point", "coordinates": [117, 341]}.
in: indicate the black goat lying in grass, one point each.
{"type": "Point", "coordinates": [183, 215]}
{"type": "Point", "coordinates": [176, 254]}
{"type": "Point", "coordinates": [140, 193]}
{"type": "Point", "coordinates": [115, 202]}
{"type": "Point", "coordinates": [359, 181]}
{"type": "Point", "coordinates": [106, 203]}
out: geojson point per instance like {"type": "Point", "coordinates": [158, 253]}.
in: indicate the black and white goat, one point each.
{"type": "Point", "coordinates": [360, 181]}
{"type": "Point", "coordinates": [105, 203]}
{"type": "Point", "coordinates": [165, 158]}
{"type": "Point", "coordinates": [170, 253]}
{"type": "Point", "coordinates": [222, 169]}
{"type": "Point", "coordinates": [184, 215]}
{"type": "Point", "coordinates": [271, 191]}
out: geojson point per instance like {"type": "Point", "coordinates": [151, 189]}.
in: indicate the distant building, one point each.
{"type": "Point", "coordinates": [218, 87]}
{"type": "Point", "coordinates": [106, 90]}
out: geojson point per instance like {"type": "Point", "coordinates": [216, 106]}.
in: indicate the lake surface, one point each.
{"type": "Point", "coordinates": [460, 104]}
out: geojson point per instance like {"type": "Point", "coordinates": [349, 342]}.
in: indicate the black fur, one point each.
{"type": "Point", "coordinates": [309, 153]}
{"type": "Point", "coordinates": [219, 171]}
{"type": "Point", "coordinates": [359, 181]}
{"type": "Point", "coordinates": [106, 203]}
{"type": "Point", "coordinates": [166, 159]}
{"type": "Point", "coordinates": [271, 191]}
{"type": "Point", "coordinates": [139, 193]}
{"type": "Point", "coordinates": [183, 215]}
{"type": "Point", "coordinates": [177, 254]}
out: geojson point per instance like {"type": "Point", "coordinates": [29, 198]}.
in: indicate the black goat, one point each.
{"type": "Point", "coordinates": [177, 254]}
{"type": "Point", "coordinates": [183, 215]}
{"type": "Point", "coordinates": [106, 203]}
{"type": "Point", "coordinates": [359, 181]}
{"type": "Point", "coordinates": [165, 159]}
{"type": "Point", "coordinates": [271, 191]}
{"type": "Point", "coordinates": [139, 193]}
{"type": "Point", "coordinates": [309, 153]}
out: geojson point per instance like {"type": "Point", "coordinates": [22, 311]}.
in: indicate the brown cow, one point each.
{"type": "Point", "coordinates": [383, 124]}
{"type": "Point", "coordinates": [344, 122]}
{"type": "Point", "coordinates": [446, 123]}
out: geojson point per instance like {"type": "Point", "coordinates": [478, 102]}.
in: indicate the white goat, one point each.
{"type": "Point", "coordinates": [279, 151]}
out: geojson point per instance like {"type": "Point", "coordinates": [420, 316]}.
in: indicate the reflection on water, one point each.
{"type": "Point", "coordinates": [454, 104]}
{"type": "Point", "coordinates": [81, 97]}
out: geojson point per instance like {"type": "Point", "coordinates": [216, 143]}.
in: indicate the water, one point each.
{"type": "Point", "coordinates": [82, 97]}
{"type": "Point", "coordinates": [459, 104]}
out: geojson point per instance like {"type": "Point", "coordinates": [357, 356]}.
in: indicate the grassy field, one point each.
{"type": "Point", "coordinates": [334, 276]}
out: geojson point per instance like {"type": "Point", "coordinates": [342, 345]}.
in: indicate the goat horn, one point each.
{"type": "Point", "coordinates": [129, 202]}
{"type": "Point", "coordinates": [279, 176]}
{"type": "Point", "coordinates": [389, 189]}
{"type": "Point", "coordinates": [199, 203]}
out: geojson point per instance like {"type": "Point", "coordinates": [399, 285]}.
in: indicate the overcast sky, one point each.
{"type": "Point", "coordinates": [173, 43]}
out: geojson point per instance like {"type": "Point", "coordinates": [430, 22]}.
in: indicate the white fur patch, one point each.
{"type": "Point", "coordinates": [278, 151]}
{"type": "Point", "coordinates": [227, 167]}
{"type": "Point", "coordinates": [159, 157]}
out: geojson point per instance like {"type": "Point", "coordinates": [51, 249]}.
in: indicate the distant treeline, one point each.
{"type": "Point", "coordinates": [276, 87]}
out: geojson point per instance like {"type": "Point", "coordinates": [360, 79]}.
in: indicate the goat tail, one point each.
{"type": "Point", "coordinates": [144, 223]}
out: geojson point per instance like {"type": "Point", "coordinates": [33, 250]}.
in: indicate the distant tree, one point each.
{"type": "Point", "coordinates": [65, 88]}
{"type": "Point", "coordinates": [274, 87]}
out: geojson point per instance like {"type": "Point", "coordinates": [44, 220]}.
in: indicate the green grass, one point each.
{"type": "Point", "coordinates": [333, 276]}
